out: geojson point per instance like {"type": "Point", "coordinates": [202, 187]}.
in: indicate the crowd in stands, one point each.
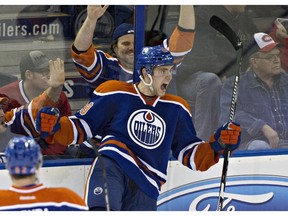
{"type": "Point", "coordinates": [124, 124]}
{"type": "Point", "coordinates": [199, 79]}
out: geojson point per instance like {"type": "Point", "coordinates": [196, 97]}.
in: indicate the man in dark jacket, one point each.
{"type": "Point", "coordinates": [212, 59]}
{"type": "Point", "coordinates": [262, 98]}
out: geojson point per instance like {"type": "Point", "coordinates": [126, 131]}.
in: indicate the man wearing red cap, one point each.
{"type": "Point", "coordinates": [262, 98]}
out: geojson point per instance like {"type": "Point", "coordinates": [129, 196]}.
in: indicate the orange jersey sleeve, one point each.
{"type": "Point", "coordinates": [180, 43]}
{"type": "Point", "coordinates": [40, 198]}
{"type": "Point", "coordinates": [22, 119]}
{"type": "Point", "coordinates": [84, 58]}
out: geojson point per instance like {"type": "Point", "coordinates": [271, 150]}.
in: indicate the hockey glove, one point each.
{"type": "Point", "coordinates": [47, 121]}
{"type": "Point", "coordinates": [229, 134]}
{"type": "Point", "coordinates": [8, 103]}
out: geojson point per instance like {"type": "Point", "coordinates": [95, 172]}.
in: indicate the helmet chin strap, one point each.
{"type": "Point", "coordinates": [149, 85]}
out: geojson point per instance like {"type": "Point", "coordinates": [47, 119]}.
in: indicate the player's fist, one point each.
{"type": "Point", "coordinates": [47, 121]}
{"type": "Point", "coordinates": [227, 135]}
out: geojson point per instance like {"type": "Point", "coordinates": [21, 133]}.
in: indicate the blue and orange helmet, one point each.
{"type": "Point", "coordinates": [153, 56]}
{"type": "Point", "coordinates": [23, 156]}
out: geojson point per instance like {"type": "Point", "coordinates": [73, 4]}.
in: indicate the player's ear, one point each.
{"type": "Point", "coordinates": [114, 48]}
{"type": "Point", "coordinates": [145, 75]}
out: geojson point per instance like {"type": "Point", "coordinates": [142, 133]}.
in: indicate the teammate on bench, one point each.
{"type": "Point", "coordinates": [23, 161]}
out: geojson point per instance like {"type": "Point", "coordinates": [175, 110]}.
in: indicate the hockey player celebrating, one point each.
{"type": "Point", "coordinates": [140, 124]}
{"type": "Point", "coordinates": [97, 66]}
{"type": "Point", "coordinates": [23, 161]}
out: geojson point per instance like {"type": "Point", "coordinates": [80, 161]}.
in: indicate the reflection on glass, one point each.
{"type": "Point", "coordinates": [52, 29]}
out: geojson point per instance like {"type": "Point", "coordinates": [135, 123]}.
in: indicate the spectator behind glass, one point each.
{"type": "Point", "coordinates": [6, 104]}
{"type": "Point", "coordinates": [20, 120]}
{"type": "Point", "coordinates": [23, 162]}
{"type": "Point", "coordinates": [96, 66]}
{"type": "Point", "coordinates": [212, 59]}
{"type": "Point", "coordinates": [262, 99]}
{"type": "Point", "coordinates": [34, 65]}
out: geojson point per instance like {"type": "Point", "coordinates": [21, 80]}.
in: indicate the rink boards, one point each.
{"type": "Point", "coordinates": [255, 181]}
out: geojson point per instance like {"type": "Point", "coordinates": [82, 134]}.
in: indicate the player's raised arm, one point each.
{"type": "Point", "coordinates": [56, 79]}
{"type": "Point", "coordinates": [182, 38]}
{"type": "Point", "coordinates": [84, 37]}
{"type": "Point", "coordinates": [187, 17]}
{"type": "Point", "coordinates": [51, 95]}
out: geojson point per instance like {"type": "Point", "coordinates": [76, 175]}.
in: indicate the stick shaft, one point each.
{"type": "Point", "coordinates": [224, 29]}
{"type": "Point", "coordinates": [139, 35]}
{"type": "Point", "coordinates": [231, 117]}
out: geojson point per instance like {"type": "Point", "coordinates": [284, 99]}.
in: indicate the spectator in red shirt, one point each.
{"type": "Point", "coordinates": [34, 65]}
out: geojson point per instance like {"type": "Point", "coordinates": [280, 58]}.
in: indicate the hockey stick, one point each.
{"type": "Point", "coordinates": [224, 29]}
{"type": "Point", "coordinates": [139, 35]}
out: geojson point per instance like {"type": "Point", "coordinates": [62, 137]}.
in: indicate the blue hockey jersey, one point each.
{"type": "Point", "coordinates": [138, 133]}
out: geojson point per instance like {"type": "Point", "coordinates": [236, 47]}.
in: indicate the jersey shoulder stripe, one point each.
{"type": "Point", "coordinates": [115, 85]}
{"type": "Point", "coordinates": [169, 98]}
{"type": "Point", "coordinates": [39, 197]}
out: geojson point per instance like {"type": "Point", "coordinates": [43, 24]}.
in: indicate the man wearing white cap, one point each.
{"type": "Point", "coordinates": [262, 98]}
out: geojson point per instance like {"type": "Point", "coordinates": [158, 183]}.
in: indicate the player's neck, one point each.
{"type": "Point", "coordinates": [30, 180]}
{"type": "Point", "coordinates": [145, 90]}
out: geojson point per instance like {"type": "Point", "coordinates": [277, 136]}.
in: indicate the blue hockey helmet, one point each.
{"type": "Point", "coordinates": [23, 156]}
{"type": "Point", "coordinates": [153, 56]}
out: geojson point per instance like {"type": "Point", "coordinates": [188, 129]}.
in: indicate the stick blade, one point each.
{"type": "Point", "coordinates": [226, 30]}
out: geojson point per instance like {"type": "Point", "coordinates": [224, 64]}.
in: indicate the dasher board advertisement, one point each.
{"type": "Point", "coordinates": [257, 183]}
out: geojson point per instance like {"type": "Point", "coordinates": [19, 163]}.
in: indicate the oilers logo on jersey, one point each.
{"type": "Point", "coordinates": [146, 128]}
